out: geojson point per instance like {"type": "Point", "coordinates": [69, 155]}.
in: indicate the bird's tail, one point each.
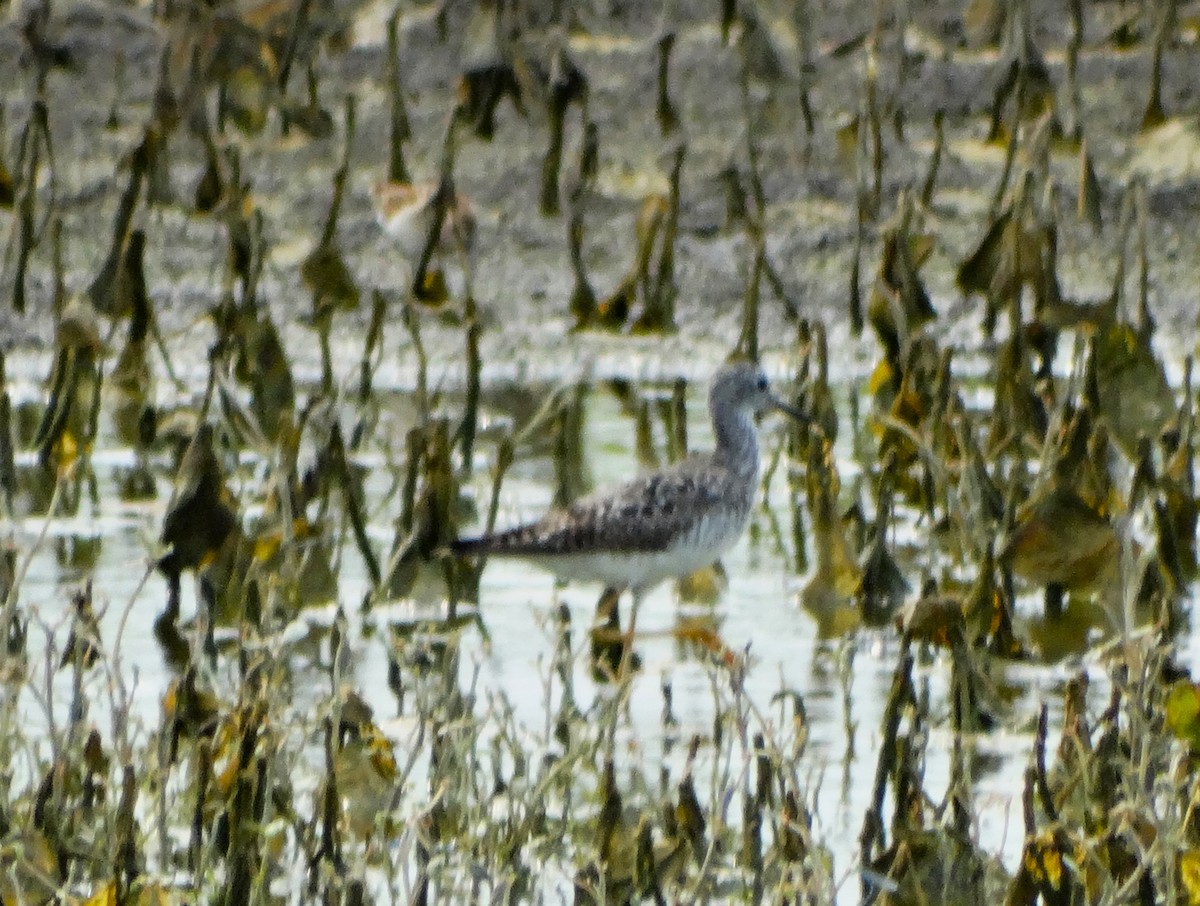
{"type": "Point", "coordinates": [524, 539]}
{"type": "Point", "coordinates": [466, 547]}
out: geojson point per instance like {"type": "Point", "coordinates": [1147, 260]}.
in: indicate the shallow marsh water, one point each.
{"type": "Point", "coordinates": [843, 680]}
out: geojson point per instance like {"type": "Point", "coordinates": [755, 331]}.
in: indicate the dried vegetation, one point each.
{"type": "Point", "coordinates": [1051, 477]}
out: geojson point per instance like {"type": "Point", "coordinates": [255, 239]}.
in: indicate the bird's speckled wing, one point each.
{"type": "Point", "coordinates": [646, 514]}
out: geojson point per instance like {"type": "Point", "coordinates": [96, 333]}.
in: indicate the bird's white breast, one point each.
{"type": "Point", "coordinates": [704, 541]}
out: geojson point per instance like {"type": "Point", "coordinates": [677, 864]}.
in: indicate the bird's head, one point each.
{"type": "Point", "coordinates": [744, 386]}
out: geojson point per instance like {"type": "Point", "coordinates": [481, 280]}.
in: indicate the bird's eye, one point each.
{"type": "Point", "coordinates": [762, 382]}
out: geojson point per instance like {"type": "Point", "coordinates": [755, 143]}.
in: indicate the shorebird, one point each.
{"type": "Point", "coordinates": [665, 523]}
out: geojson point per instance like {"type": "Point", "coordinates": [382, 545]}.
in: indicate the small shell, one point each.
{"type": "Point", "coordinates": [405, 210]}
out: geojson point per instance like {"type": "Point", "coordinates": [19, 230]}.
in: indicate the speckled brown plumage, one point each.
{"type": "Point", "coordinates": [664, 523]}
{"type": "Point", "coordinates": [646, 514]}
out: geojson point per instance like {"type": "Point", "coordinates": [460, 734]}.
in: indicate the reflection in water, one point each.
{"type": "Point", "coordinates": [175, 649]}
{"type": "Point", "coordinates": [136, 484]}
{"type": "Point", "coordinates": [1069, 633]}
{"type": "Point", "coordinates": [76, 555]}
{"type": "Point", "coordinates": [610, 646]}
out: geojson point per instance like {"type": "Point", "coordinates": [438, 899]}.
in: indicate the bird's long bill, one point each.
{"type": "Point", "coordinates": [788, 409]}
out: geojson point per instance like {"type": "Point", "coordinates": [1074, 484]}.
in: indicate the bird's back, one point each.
{"type": "Point", "coordinates": [650, 514]}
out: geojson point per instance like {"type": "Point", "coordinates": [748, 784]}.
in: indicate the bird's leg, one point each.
{"type": "Point", "coordinates": [628, 664]}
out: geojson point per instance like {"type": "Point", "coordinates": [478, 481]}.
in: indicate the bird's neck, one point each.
{"type": "Point", "coordinates": [737, 441]}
